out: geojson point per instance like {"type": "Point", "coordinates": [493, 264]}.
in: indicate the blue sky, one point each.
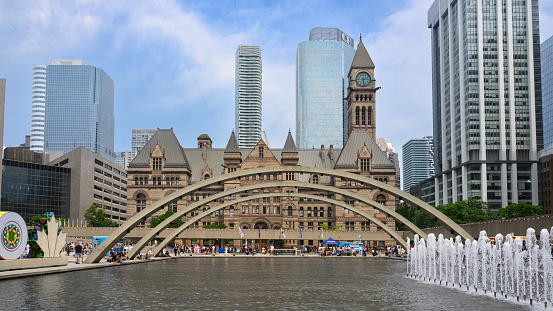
{"type": "Point", "coordinates": [191, 88]}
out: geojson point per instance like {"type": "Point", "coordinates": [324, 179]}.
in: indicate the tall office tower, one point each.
{"type": "Point", "coordinates": [546, 155]}
{"type": "Point", "coordinates": [2, 106]}
{"type": "Point", "coordinates": [38, 108]}
{"type": "Point", "coordinates": [139, 139]}
{"type": "Point", "coordinates": [418, 161]}
{"type": "Point", "coordinates": [486, 98]}
{"type": "Point", "coordinates": [79, 108]}
{"type": "Point", "coordinates": [322, 66]}
{"type": "Point", "coordinates": [392, 156]}
{"type": "Point", "coordinates": [247, 115]}
{"type": "Point", "coordinates": [547, 96]}
{"type": "Point", "coordinates": [123, 158]}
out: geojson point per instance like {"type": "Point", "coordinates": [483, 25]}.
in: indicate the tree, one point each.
{"type": "Point", "coordinates": [159, 219]}
{"type": "Point", "coordinates": [523, 209]}
{"type": "Point", "coordinates": [96, 217]}
{"type": "Point", "coordinates": [418, 218]}
{"type": "Point", "coordinates": [215, 226]}
{"type": "Point", "coordinates": [469, 211]}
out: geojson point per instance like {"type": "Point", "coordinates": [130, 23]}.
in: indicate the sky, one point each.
{"type": "Point", "coordinates": [173, 62]}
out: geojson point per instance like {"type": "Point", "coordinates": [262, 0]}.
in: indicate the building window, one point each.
{"type": "Point", "coordinates": [231, 211]}
{"type": "Point", "coordinates": [315, 179]}
{"type": "Point", "coordinates": [356, 115]}
{"type": "Point", "coordinates": [177, 181]}
{"type": "Point", "coordinates": [301, 210]}
{"type": "Point", "coordinates": [321, 212]}
{"type": "Point", "coordinates": [309, 212]}
{"type": "Point", "coordinates": [156, 164]}
{"type": "Point", "coordinates": [261, 152]}
{"type": "Point", "coordinates": [141, 181]}
{"type": "Point", "coordinates": [289, 210]}
{"type": "Point", "coordinates": [363, 115]}
{"type": "Point", "coordinates": [365, 165]}
{"type": "Point", "coordinates": [173, 207]}
{"type": "Point", "coordinates": [369, 117]}
{"type": "Point", "coordinates": [135, 180]}
{"type": "Point", "coordinates": [140, 202]}
{"type": "Point", "coordinates": [329, 212]}
{"type": "Point", "coordinates": [350, 225]}
{"type": "Point", "coordinates": [290, 176]}
{"type": "Point", "coordinates": [146, 181]}
{"type": "Point", "coordinates": [381, 199]}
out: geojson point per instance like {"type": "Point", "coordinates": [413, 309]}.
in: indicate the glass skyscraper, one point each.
{"type": "Point", "coordinates": [322, 66]}
{"type": "Point", "coordinates": [139, 139]}
{"type": "Point", "coordinates": [248, 95]}
{"type": "Point", "coordinates": [547, 96]}
{"type": "Point", "coordinates": [38, 108]}
{"type": "Point", "coordinates": [418, 161]}
{"type": "Point", "coordinates": [79, 108]}
{"type": "Point", "coordinates": [487, 109]}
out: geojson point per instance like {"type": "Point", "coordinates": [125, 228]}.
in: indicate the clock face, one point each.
{"type": "Point", "coordinates": [363, 79]}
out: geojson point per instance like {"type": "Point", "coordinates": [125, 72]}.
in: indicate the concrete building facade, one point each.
{"type": "Point", "coordinates": [486, 93]}
{"type": "Point", "coordinates": [247, 115]}
{"type": "Point", "coordinates": [95, 180]}
{"type": "Point", "coordinates": [322, 66]}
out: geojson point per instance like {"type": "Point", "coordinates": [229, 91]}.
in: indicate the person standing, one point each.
{"type": "Point", "coordinates": [78, 252]}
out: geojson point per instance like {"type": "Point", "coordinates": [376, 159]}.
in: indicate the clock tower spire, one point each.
{"type": "Point", "coordinates": [361, 93]}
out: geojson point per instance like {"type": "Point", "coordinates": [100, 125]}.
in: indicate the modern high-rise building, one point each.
{"type": "Point", "coordinates": [139, 139]}
{"type": "Point", "coordinates": [418, 161]}
{"type": "Point", "coordinates": [322, 66]}
{"type": "Point", "coordinates": [546, 155]}
{"type": "Point", "coordinates": [2, 106]}
{"type": "Point", "coordinates": [247, 115]}
{"type": "Point", "coordinates": [486, 93]}
{"type": "Point", "coordinates": [38, 108]}
{"type": "Point", "coordinates": [79, 108]}
{"type": "Point", "coordinates": [123, 158]}
{"type": "Point", "coordinates": [547, 94]}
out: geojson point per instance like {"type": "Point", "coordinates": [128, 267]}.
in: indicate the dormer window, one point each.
{"type": "Point", "coordinates": [156, 164]}
{"type": "Point", "coordinates": [261, 152]}
{"type": "Point", "coordinates": [365, 165]}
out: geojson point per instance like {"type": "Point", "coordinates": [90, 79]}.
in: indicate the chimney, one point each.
{"type": "Point", "coordinates": [332, 152]}
{"type": "Point", "coordinates": [204, 155]}
{"type": "Point", "coordinates": [322, 152]}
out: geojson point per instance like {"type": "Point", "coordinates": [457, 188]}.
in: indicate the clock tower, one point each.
{"type": "Point", "coordinates": [362, 93]}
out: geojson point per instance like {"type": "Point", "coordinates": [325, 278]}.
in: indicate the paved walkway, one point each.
{"type": "Point", "coordinates": [73, 266]}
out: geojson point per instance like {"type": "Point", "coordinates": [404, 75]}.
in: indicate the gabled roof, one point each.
{"type": "Point", "coordinates": [349, 155]}
{"type": "Point", "coordinates": [204, 136]}
{"type": "Point", "coordinates": [232, 145]}
{"type": "Point", "coordinates": [362, 58]}
{"type": "Point", "coordinates": [174, 154]}
{"type": "Point", "coordinates": [289, 145]}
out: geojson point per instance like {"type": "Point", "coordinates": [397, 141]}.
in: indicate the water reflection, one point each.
{"type": "Point", "coordinates": [240, 283]}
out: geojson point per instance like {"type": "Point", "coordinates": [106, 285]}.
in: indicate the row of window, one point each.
{"type": "Point", "coordinates": [109, 167]}
{"type": "Point", "coordinates": [156, 181]}
{"type": "Point", "coordinates": [109, 175]}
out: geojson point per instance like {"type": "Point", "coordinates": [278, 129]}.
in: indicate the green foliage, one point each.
{"type": "Point", "coordinates": [462, 212]}
{"type": "Point", "coordinates": [418, 218]}
{"type": "Point", "coordinates": [215, 226]}
{"type": "Point", "coordinates": [469, 211]}
{"type": "Point", "coordinates": [96, 217]}
{"type": "Point", "coordinates": [325, 227]}
{"type": "Point", "coordinates": [517, 210]}
{"type": "Point", "coordinates": [161, 218]}
{"type": "Point", "coordinates": [337, 227]}
{"type": "Point", "coordinates": [277, 227]}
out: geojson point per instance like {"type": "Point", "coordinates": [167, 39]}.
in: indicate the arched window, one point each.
{"type": "Point", "coordinates": [167, 181]}
{"type": "Point", "coordinates": [363, 116]}
{"type": "Point", "coordinates": [386, 180]}
{"type": "Point", "coordinates": [206, 176]}
{"type": "Point", "coordinates": [204, 209]}
{"type": "Point", "coordinates": [172, 181]}
{"type": "Point", "coordinates": [290, 211]}
{"type": "Point", "coordinates": [141, 181]}
{"type": "Point", "coordinates": [309, 214]}
{"type": "Point", "coordinates": [140, 202]}
{"type": "Point", "coordinates": [301, 210]}
{"type": "Point", "coordinates": [381, 199]}
{"type": "Point", "coordinates": [329, 212]}
{"type": "Point", "coordinates": [357, 115]}
{"type": "Point", "coordinates": [146, 181]}
{"type": "Point", "coordinates": [231, 211]}
{"type": "Point", "coordinates": [365, 97]}
{"type": "Point", "coordinates": [356, 97]}
{"type": "Point", "coordinates": [321, 212]}
{"type": "Point", "coordinates": [177, 181]}
{"type": "Point", "coordinates": [136, 180]}
{"type": "Point", "coordinates": [370, 116]}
